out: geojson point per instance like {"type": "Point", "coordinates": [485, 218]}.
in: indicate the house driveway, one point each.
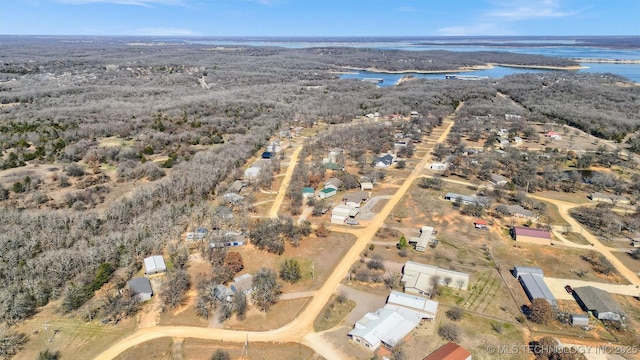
{"type": "Point", "coordinates": [365, 302]}
{"type": "Point", "coordinates": [366, 212]}
{"type": "Point", "coordinates": [557, 285]}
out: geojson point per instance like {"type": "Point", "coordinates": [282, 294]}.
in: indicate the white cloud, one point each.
{"type": "Point", "coordinates": [519, 10]}
{"type": "Point", "coordinates": [163, 31]}
{"type": "Point", "coordinates": [407, 9]}
{"type": "Point", "coordinates": [470, 30]}
{"type": "Point", "coordinates": [126, 2]}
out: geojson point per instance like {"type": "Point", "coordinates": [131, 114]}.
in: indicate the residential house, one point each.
{"type": "Point", "coordinates": [383, 161]}
{"type": "Point", "coordinates": [450, 351]}
{"type": "Point", "coordinates": [274, 147]}
{"type": "Point", "coordinates": [227, 238]}
{"type": "Point", "coordinates": [236, 186]}
{"type": "Point", "coordinates": [355, 199]}
{"type": "Point", "coordinates": [465, 199]}
{"type": "Point", "coordinates": [609, 198]}
{"type": "Point", "coordinates": [398, 300]}
{"type": "Point", "coordinates": [340, 213]}
{"type": "Point", "coordinates": [498, 180]}
{"type": "Point", "coordinates": [417, 278]}
{"type": "Point", "coordinates": [252, 172]}
{"type": "Point", "coordinates": [579, 319]}
{"type": "Point", "coordinates": [512, 117]}
{"type": "Point", "coordinates": [425, 239]}
{"type": "Point", "coordinates": [599, 303]}
{"type": "Point", "coordinates": [531, 235]}
{"type": "Point", "coordinates": [439, 166]}
{"type": "Point", "coordinates": [532, 281]}
{"type": "Point", "coordinates": [327, 193]}
{"type": "Point", "coordinates": [333, 155]}
{"type": "Point", "coordinates": [520, 212]}
{"type": "Point", "coordinates": [141, 287]}
{"type": "Point", "coordinates": [242, 284]}
{"type": "Point", "coordinates": [383, 327]}
{"type": "Point", "coordinates": [333, 183]}
{"type": "Point", "coordinates": [222, 293]}
{"type": "Point", "coordinates": [366, 184]}
{"type": "Point", "coordinates": [332, 166]}
{"type": "Point", "coordinates": [553, 135]}
{"type": "Point", "coordinates": [154, 264]}
{"type": "Point", "coordinates": [232, 198]}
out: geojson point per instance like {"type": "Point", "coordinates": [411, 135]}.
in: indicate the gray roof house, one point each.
{"type": "Point", "coordinates": [466, 199]}
{"type": "Point", "coordinates": [242, 283]}
{"type": "Point", "coordinates": [333, 183]}
{"type": "Point", "coordinates": [355, 199]}
{"type": "Point", "coordinates": [519, 211]}
{"type": "Point", "coordinates": [154, 264]}
{"type": "Point", "coordinates": [141, 287]}
{"type": "Point", "coordinates": [383, 161]}
{"type": "Point", "coordinates": [599, 302]}
{"type": "Point", "coordinates": [498, 180]}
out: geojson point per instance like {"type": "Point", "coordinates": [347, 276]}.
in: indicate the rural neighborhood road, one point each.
{"type": "Point", "coordinates": [302, 326]}
{"type": "Point", "coordinates": [273, 213]}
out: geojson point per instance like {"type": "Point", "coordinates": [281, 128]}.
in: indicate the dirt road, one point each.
{"type": "Point", "coordinates": [303, 324]}
{"type": "Point", "coordinates": [563, 209]}
{"type": "Point", "coordinates": [273, 212]}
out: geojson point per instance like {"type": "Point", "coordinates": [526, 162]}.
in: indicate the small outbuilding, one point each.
{"type": "Point", "coordinates": [579, 319]}
{"type": "Point", "coordinates": [307, 192]}
{"type": "Point", "coordinates": [267, 155]}
{"type": "Point", "coordinates": [154, 264]}
{"type": "Point", "coordinates": [480, 224]}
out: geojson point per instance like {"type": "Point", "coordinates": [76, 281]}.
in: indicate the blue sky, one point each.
{"type": "Point", "coordinates": [320, 17]}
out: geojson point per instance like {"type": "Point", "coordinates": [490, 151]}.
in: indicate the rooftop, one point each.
{"type": "Point", "coordinates": [449, 351]}
{"type": "Point", "coordinates": [533, 232]}
{"type": "Point", "coordinates": [597, 299]}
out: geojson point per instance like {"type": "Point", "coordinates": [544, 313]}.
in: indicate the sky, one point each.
{"type": "Point", "coordinates": [320, 17]}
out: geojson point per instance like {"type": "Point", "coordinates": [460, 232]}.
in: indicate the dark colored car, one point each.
{"type": "Point", "coordinates": [569, 289]}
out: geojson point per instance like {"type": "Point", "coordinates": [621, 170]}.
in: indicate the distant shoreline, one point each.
{"type": "Point", "coordinates": [607, 61]}
{"type": "Point", "coordinates": [462, 69]}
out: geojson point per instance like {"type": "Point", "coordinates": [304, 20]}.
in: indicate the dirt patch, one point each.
{"type": "Point", "coordinates": [160, 349]}
{"type": "Point", "coordinates": [282, 313]}
{"type": "Point", "coordinates": [576, 238]}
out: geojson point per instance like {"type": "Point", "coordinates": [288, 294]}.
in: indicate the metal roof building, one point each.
{"type": "Point", "coordinates": [141, 286]}
{"type": "Point", "coordinates": [532, 282]}
{"type": "Point", "coordinates": [428, 308]}
{"type": "Point", "coordinates": [154, 264]}
{"type": "Point", "coordinates": [385, 326]}
{"type": "Point", "coordinates": [599, 302]}
{"type": "Point", "coordinates": [450, 351]}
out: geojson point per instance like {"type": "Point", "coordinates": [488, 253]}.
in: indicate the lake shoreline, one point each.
{"type": "Point", "coordinates": [463, 69]}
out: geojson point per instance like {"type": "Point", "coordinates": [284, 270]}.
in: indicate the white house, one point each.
{"type": "Point", "coordinates": [384, 327]}
{"type": "Point", "coordinates": [428, 308]}
{"type": "Point", "coordinates": [383, 161]}
{"type": "Point", "coordinates": [425, 239]}
{"type": "Point", "coordinates": [154, 264]}
{"type": "Point", "coordinates": [340, 213]}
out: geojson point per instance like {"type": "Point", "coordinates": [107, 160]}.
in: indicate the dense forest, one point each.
{"type": "Point", "coordinates": [172, 125]}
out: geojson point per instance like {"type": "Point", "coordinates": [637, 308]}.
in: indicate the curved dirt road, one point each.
{"type": "Point", "coordinates": [302, 325]}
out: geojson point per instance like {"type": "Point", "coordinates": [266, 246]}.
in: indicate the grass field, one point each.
{"type": "Point", "coordinates": [333, 313]}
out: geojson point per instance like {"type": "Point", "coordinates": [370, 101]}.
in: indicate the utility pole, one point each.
{"type": "Point", "coordinates": [313, 271]}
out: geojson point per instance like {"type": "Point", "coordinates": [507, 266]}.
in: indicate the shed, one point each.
{"type": "Point", "coordinates": [480, 224]}
{"type": "Point", "coordinates": [307, 192]}
{"type": "Point", "coordinates": [331, 166]}
{"type": "Point", "coordinates": [154, 264]}
{"type": "Point", "coordinates": [267, 155]}
{"type": "Point", "coordinates": [599, 302]}
{"type": "Point", "coordinates": [579, 319]}
{"type": "Point", "coordinates": [252, 172]}
{"type": "Point", "coordinates": [439, 166]}
{"type": "Point", "coordinates": [366, 185]}
{"type": "Point", "coordinates": [141, 287]}
{"type": "Point", "coordinates": [498, 180]}
{"type": "Point", "coordinates": [531, 235]}
{"type": "Point", "coordinates": [236, 186]}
